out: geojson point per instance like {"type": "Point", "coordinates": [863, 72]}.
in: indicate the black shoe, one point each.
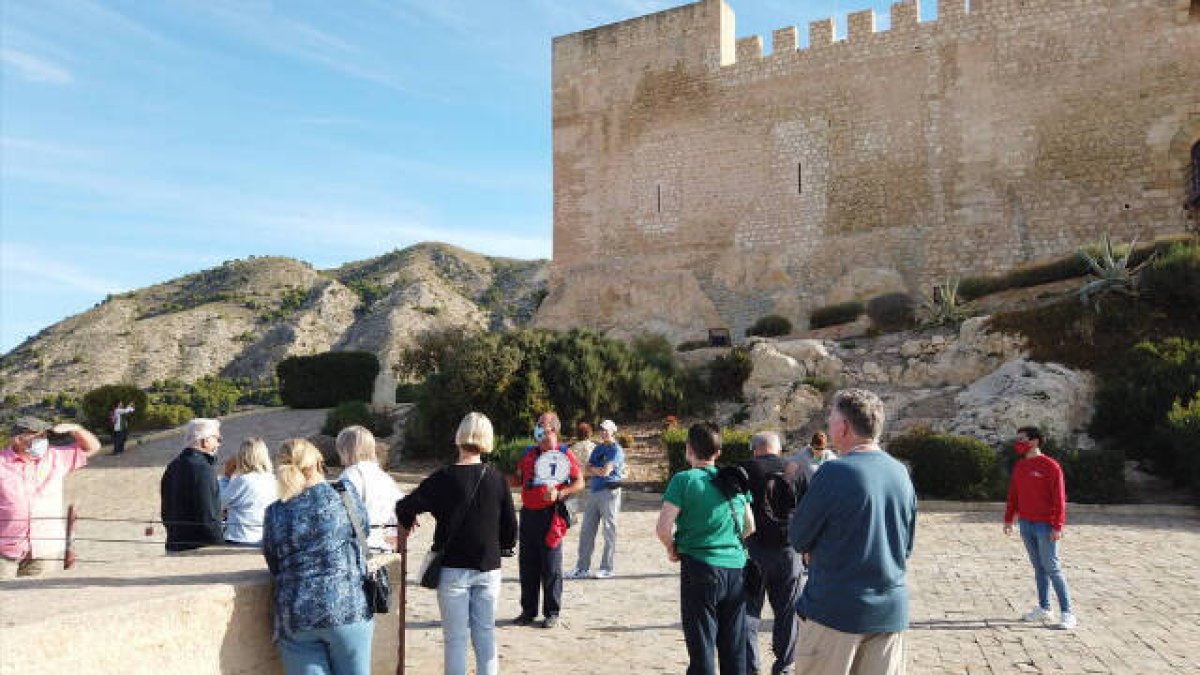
{"type": "Point", "coordinates": [523, 620]}
{"type": "Point", "coordinates": [551, 621]}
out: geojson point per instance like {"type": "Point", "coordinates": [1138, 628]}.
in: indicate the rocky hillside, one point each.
{"type": "Point", "coordinates": [240, 319]}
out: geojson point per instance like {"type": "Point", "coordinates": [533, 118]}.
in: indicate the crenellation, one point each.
{"type": "Point", "coordinates": [861, 25]}
{"type": "Point", "coordinates": [749, 48]}
{"type": "Point", "coordinates": [906, 15]}
{"type": "Point", "coordinates": [821, 33]}
{"type": "Point", "coordinates": [783, 40]}
{"type": "Point", "coordinates": [729, 185]}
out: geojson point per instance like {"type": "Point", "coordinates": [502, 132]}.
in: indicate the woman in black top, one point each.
{"type": "Point", "coordinates": [476, 524]}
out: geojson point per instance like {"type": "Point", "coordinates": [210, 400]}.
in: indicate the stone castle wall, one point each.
{"type": "Point", "coordinates": [700, 183]}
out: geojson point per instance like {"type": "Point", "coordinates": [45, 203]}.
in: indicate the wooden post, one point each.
{"type": "Point", "coordinates": [69, 549]}
{"type": "Point", "coordinates": [403, 619]}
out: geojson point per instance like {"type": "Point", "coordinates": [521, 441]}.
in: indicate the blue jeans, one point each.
{"type": "Point", "coordinates": [342, 650]}
{"type": "Point", "coordinates": [712, 606]}
{"type": "Point", "coordinates": [468, 599]}
{"type": "Point", "coordinates": [1043, 553]}
{"type": "Point", "coordinates": [777, 580]}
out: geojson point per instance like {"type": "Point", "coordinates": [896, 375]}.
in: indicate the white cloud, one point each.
{"type": "Point", "coordinates": [35, 69]}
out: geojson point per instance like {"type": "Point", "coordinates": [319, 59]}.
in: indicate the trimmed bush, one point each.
{"type": "Point", "coordinates": [835, 315]}
{"type": "Point", "coordinates": [1183, 434]}
{"type": "Point", "coordinates": [506, 452]}
{"type": "Point", "coordinates": [735, 447]}
{"type": "Point", "coordinates": [349, 413]}
{"type": "Point", "coordinates": [166, 416]}
{"type": "Point", "coordinates": [407, 392]}
{"type": "Point", "coordinates": [728, 372]}
{"type": "Point", "coordinates": [946, 466]}
{"type": "Point", "coordinates": [325, 380]}
{"type": "Point", "coordinates": [771, 325]}
{"type": "Point", "coordinates": [1174, 278]}
{"type": "Point", "coordinates": [99, 402]}
{"type": "Point", "coordinates": [892, 312]}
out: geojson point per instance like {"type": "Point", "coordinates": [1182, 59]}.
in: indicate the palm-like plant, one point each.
{"type": "Point", "coordinates": [1111, 270]}
{"type": "Point", "coordinates": [945, 308]}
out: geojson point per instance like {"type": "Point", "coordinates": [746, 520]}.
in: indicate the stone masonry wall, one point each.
{"type": "Point", "coordinates": [699, 183]}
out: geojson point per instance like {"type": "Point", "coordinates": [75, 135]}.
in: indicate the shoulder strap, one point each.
{"type": "Point", "coordinates": [462, 514]}
{"type": "Point", "coordinates": [355, 521]}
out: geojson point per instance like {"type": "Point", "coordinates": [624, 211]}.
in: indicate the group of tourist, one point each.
{"type": "Point", "coordinates": [744, 537]}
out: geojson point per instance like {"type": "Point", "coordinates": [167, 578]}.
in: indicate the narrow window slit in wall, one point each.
{"type": "Point", "coordinates": [799, 179]}
{"type": "Point", "coordinates": [658, 197]}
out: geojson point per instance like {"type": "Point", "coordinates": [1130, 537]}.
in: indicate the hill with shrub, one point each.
{"type": "Point", "coordinates": [243, 317]}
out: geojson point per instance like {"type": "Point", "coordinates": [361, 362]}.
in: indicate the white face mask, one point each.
{"type": "Point", "coordinates": [38, 447]}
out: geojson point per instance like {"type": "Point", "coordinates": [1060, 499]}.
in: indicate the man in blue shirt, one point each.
{"type": "Point", "coordinates": [856, 526]}
{"type": "Point", "coordinates": [605, 470]}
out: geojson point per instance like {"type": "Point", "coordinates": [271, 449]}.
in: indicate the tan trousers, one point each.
{"type": "Point", "coordinates": [26, 567]}
{"type": "Point", "coordinates": [822, 650]}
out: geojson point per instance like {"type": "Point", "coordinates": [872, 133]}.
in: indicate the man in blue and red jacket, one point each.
{"type": "Point", "coordinates": [547, 474]}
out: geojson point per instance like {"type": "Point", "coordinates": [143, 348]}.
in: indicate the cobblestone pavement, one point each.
{"type": "Point", "coordinates": [1135, 582]}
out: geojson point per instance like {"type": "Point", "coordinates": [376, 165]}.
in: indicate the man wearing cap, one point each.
{"type": "Point", "coordinates": [605, 470]}
{"type": "Point", "coordinates": [32, 478]}
{"type": "Point", "coordinates": [191, 502]}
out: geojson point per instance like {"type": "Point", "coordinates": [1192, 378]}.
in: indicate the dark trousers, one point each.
{"type": "Point", "coordinates": [777, 579]}
{"type": "Point", "coordinates": [119, 441]}
{"type": "Point", "coordinates": [712, 608]}
{"type": "Point", "coordinates": [540, 565]}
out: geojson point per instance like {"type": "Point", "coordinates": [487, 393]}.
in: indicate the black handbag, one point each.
{"type": "Point", "coordinates": [376, 583]}
{"type": "Point", "coordinates": [431, 566]}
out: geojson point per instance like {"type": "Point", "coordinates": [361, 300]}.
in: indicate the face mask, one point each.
{"type": "Point", "coordinates": [539, 433]}
{"type": "Point", "coordinates": [38, 447]}
{"type": "Point", "coordinates": [1022, 447]}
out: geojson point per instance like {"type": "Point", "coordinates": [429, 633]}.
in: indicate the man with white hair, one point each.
{"type": "Point", "coordinates": [856, 523]}
{"type": "Point", "coordinates": [191, 501]}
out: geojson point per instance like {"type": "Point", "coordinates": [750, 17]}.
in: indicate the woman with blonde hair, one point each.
{"type": "Point", "coordinates": [323, 623]}
{"type": "Point", "coordinates": [476, 525]}
{"type": "Point", "coordinates": [247, 489]}
{"type": "Point", "coordinates": [356, 448]}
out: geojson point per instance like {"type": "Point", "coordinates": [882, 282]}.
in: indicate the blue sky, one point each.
{"type": "Point", "coordinates": [147, 139]}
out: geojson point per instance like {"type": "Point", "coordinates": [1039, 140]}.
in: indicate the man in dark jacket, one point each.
{"type": "Point", "coordinates": [191, 503]}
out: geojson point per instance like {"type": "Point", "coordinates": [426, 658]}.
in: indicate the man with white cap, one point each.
{"type": "Point", "coordinates": [191, 501]}
{"type": "Point", "coordinates": [32, 478]}
{"type": "Point", "coordinates": [605, 470]}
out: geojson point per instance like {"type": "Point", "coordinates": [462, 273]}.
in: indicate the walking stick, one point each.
{"type": "Point", "coordinates": [403, 603]}
{"type": "Point", "coordinates": [69, 550]}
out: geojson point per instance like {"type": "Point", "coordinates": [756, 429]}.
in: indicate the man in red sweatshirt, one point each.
{"type": "Point", "coordinates": [1037, 496]}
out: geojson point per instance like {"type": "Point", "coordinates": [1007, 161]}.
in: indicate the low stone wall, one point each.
{"type": "Point", "coordinates": [203, 612]}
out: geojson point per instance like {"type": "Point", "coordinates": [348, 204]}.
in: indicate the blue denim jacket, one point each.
{"type": "Point", "coordinates": [312, 553]}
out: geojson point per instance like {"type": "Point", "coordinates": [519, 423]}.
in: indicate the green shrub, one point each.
{"type": "Point", "coordinates": [1174, 277]}
{"type": "Point", "coordinates": [728, 372]}
{"type": "Point", "coordinates": [327, 379]}
{"type": "Point", "coordinates": [946, 466]}
{"type": "Point", "coordinates": [506, 452]}
{"type": "Point", "coordinates": [735, 447]}
{"type": "Point", "coordinates": [1094, 476]}
{"type": "Point", "coordinates": [834, 315]}
{"type": "Point", "coordinates": [892, 312]}
{"type": "Point", "coordinates": [407, 392]}
{"type": "Point", "coordinates": [1183, 434]}
{"type": "Point", "coordinates": [691, 345]}
{"type": "Point", "coordinates": [771, 325]}
{"type": "Point", "coordinates": [166, 416]}
{"type": "Point", "coordinates": [349, 413]}
{"type": "Point", "coordinates": [99, 402]}
{"type": "Point", "coordinates": [1133, 402]}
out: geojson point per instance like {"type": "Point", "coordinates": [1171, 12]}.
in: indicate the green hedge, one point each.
{"type": "Point", "coordinates": [1174, 277]}
{"type": "Point", "coordinates": [946, 466]}
{"type": "Point", "coordinates": [99, 402]}
{"type": "Point", "coordinates": [728, 372]}
{"type": "Point", "coordinates": [507, 452]}
{"type": "Point", "coordinates": [328, 379]}
{"type": "Point", "coordinates": [166, 416]}
{"type": "Point", "coordinates": [735, 447]}
{"type": "Point", "coordinates": [1183, 434]}
{"type": "Point", "coordinates": [349, 413]}
{"type": "Point", "coordinates": [892, 312]}
{"type": "Point", "coordinates": [771, 325]}
{"type": "Point", "coordinates": [834, 315]}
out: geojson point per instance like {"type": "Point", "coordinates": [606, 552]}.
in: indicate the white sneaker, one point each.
{"type": "Point", "coordinates": [578, 574]}
{"type": "Point", "coordinates": [1037, 614]}
{"type": "Point", "coordinates": [604, 574]}
{"type": "Point", "coordinates": [1067, 622]}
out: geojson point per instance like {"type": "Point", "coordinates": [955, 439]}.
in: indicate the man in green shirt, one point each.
{"type": "Point", "coordinates": [702, 529]}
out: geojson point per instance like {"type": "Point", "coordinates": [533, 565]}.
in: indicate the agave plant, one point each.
{"type": "Point", "coordinates": [945, 308]}
{"type": "Point", "coordinates": [1111, 270]}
